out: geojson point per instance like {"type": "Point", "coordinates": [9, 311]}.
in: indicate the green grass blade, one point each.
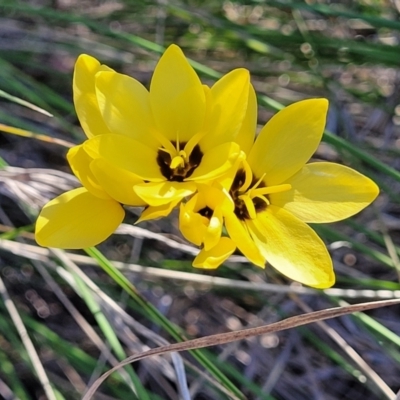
{"type": "Point", "coordinates": [158, 318]}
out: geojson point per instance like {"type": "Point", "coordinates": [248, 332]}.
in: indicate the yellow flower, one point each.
{"type": "Point", "coordinates": [276, 193]}
{"type": "Point", "coordinates": [201, 222]}
{"type": "Point", "coordinates": [86, 216]}
{"type": "Point", "coordinates": [201, 218]}
{"type": "Point", "coordinates": [175, 135]}
{"type": "Point", "coordinates": [144, 148]}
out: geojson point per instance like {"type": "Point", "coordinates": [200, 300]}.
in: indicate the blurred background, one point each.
{"type": "Point", "coordinates": [66, 317]}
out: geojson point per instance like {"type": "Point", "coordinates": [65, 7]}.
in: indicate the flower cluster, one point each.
{"type": "Point", "coordinates": [184, 144]}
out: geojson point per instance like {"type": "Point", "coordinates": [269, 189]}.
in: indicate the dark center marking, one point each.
{"type": "Point", "coordinates": [240, 206]}
{"type": "Point", "coordinates": [181, 172]}
{"type": "Point", "coordinates": [206, 212]}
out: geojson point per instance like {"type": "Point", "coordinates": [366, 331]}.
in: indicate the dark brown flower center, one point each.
{"type": "Point", "coordinates": [206, 212]}
{"type": "Point", "coordinates": [181, 172]}
{"type": "Point", "coordinates": [241, 210]}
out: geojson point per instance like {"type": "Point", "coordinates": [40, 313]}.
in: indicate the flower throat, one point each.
{"type": "Point", "coordinates": [181, 167]}
{"type": "Point", "coordinates": [250, 194]}
{"type": "Point", "coordinates": [241, 209]}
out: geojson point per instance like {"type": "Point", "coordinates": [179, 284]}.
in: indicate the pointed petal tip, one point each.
{"type": "Point", "coordinates": [259, 263]}
{"type": "Point", "coordinates": [173, 46]}
{"type": "Point", "coordinates": [39, 239]}
{"type": "Point", "coordinates": [213, 258]}
{"type": "Point", "coordinates": [326, 284]}
{"type": "Point", "coordinates": [85, 57]}
{"type": "Point", "coordinates": [324, 192]}
{"type": "Point", "coordinates": [174, 49]}
{"type": "Point", "coordinates": [294, 134]}
{"type": "Point", "coordinates": [104, 75]}
{"type": "Point", "coordinates": [205, 265]}
{"type": "Point", "coordinates": [240, 73]}
{"type": "Point", "coordinates": [319, 104]}
{"type": "Point", "coordinates": [321, 101]}
{"type": "Point", "coordinates": [316, 281]}
{"type": "Point", "coordinates": [86, 64]}
{"type": "Point", "coordinates": [375, 190]}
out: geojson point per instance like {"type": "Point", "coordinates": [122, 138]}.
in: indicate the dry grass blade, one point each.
{"type": "Point", "coordinates": [37, 136]}
{"type": "Point", "coordinates": [115, 310]}
{"type": "Point", "coordinates": [24, 103]}
{"type": "Point", "coordinates": [384, 389]}
{"type": "Point", "coordinates": [43, 254]}
{"type": "Point", "coordinates": [223, 338]}
{"type": "Point", "coordinates": [27, 342]}
{"type": "Point", "coordinates": [80, 320]}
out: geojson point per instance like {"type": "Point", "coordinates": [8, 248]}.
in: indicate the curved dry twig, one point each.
{"type": "Point", "coordinates": [223, 338]}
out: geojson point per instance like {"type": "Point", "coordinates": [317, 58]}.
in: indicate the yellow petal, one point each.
{"type": "Point", "coordinates": [225, 181]}
{"type": "Point", "coordinates": [238, 233]}
{"type": "Point", "coordinates": [214, 257]}
{"type": "Point", "coordinates": [213, 197]}
{"type": "Point", "coordinates": [198, 201]}
{"type": "Point", "coordinates": [125, 106]}
{"type": "Point", "coordinates": [326, 192]}
{"type": "Point", "coordinates": [199, 229]}
{"type": "Point", "coordinates": [77, 219]}
{"type": "Point", "coordinates": [191, 224]}
{"type": "Point", "coordinates": [159, 193]}
{"type": "Point", "coordinates": [229, 99]}
{"type": "Point", "coordinates": [288, 140]}
{"type": "Point", "coordinates": [177, 97]}
{"type": "Point", "coordinates": [80, 161]}
{"type": "Point", "coordinates": [85, 99]}
{"type": "Point", "coordinates": [126, 153]}
{"type": "Point", "coordinates": [214, 230]}
{"type": "Point", "coordinates": [152, 212]}
{"type": "Point", "coordinates": [216, 161]}
{"type": "Point", "coordinates": [117, 182]}
{"type": "Point", "coordinates": [246, 134]}
{"type": "Point", "coordinates": [292, 247]}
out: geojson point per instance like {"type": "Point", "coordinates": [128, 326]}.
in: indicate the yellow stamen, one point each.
{"type": "Point", "coordinates": [165, 143]}
{"type": "Point", "coordinates": [177, 142]}
{"type": "Point", "coordinates": [260, 196]}
{"type": "Point", "coordinates": [176, 162]}
{"type": "Point", "coordinates": [179, 156]}
{"type": "Point", "coordinates": [183, 154]}
{"type": "Point", "coordinates": [249, 205]}
{"type": "Point", "coordinates": [248, 177]}
{"type": "Point", "coordinates": [258, 182]}
{"type": "Point", "coordinates": [270, 189]}
{"type": "Point", "coordinates": [171, 153]}
{"type": "Point", "coordinates": [193, 141]}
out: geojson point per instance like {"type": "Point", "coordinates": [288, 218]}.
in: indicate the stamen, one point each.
{"type": "Point", "coordinates": [250, 195]}
{"type": "Point", "coordinates": [249, 205]}
{"type": "Point", "coordinates": [165, 143]}
{"type": "Point", "coordinates": [182, 153]}
{"type": "Point", "coordinates": [176, 162]}
{"type": "Point", "coordinates": [177, 165]}
{"type": "Point", "coordinates": [271, 189]}
{"type": "Point", "coordinates": [168, 151]}
{"type": "Point", "coordinates": [248, 177]}
{"type": "Point", "coordinates": [263, 198]}
{"type": "Point", "coordinates": [177, 143]}
{"type": "Point", "coordinates": [258, 182]}
{"type": "Point", "coordinates": [193, 141]}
